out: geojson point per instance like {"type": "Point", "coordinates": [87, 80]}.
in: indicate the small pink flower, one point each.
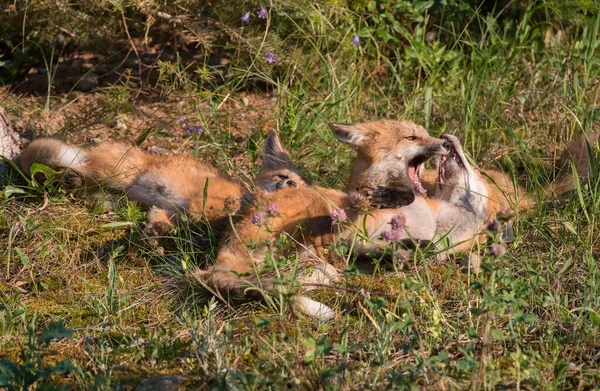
{"type": "Point", "coordinates": [195, 129]}
{"type": "Point", "coordinates": [271, 58]}
{"type": "Point", "coordinates": [356, 41]}
{"type": "Point", "coordinates": [262, 13]}
{"type": "Point", "coordinates": [360, 202]}
{"type": "Point", "coordinates": [398, 222]}
{"type": "Point", "coordinates": [493, 226]}
{"type": "Point", "coordinates": [245, 18]}
{"type": "Point", "coordinates": [257, 218]}
{"type": "Point", "coordinates": [272, 209]}
{"type": "Point", "coordinates": [392, 236]}
{"type": "Point", "coordinates": [338, 216]}
{"type": "Point", "coordinates": [498, 250]}
{"type": "Point", "coordinates": [401, 256]}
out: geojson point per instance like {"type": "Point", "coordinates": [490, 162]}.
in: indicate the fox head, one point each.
{"type": "Point", "coordinates": [389, 152]}
{"type": "Point", "coordinates": [277, 170]}
{"type": "Point", "coordinates": [458, 183]}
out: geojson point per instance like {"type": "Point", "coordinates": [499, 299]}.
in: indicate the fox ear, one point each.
{"type": "Point", "coordinates": [274, 155]}
{"type": "Point", "coordinates": [353, 135]}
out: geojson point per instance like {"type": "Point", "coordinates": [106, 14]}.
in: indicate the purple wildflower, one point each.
{"type": "Point", "coordinates": [339, 216]}
{"type": "Point", "coordinates": [262, 13]}
{"type": "Point", "coordinates": [356, 41]}
{"type": "Point", "coordinates": [181, 119]}
{"type": "Point", "coordinates": [392, 236]}
{"type": "Point", "coordinates": [233, 204]}
{"type": "Point", "coordinates": [498, 250]}
{"type": "Point", "coordinates": [195, 129]}
{"type": "Point", "coordinates": [493, 226]}
{"type": "Point", "coordinates": [401, 256]}
{"type": "Point", "coordinates": [271, 4]}
{"type": "Point", "coordinates": [398, 222]}
{"type": "Point", "coordinates": [272, 209]}
{"type": "Point", "coordinates": [257, 218]}
{"type": "Point", "coordinates": [246, 17]}
{"type": "Point", "coordinates": [359, 201]}
{"type": "Point", "coordinates": [271, 58]}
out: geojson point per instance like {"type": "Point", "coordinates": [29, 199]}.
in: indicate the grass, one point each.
{"type": "Point", "coordinates": [86, 302]}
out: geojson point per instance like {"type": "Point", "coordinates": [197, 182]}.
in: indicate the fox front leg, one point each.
{"type": "Point", "coordinates": [387, 197]}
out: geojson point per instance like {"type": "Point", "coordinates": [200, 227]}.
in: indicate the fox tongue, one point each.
{"type": "Point", "coordinates": [412, 174]}
{"type": "Point", "coordinates": [442, 170]}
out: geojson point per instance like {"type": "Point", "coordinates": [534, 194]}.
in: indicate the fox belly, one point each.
{"type": "Point", "coordinates": [420, 223]}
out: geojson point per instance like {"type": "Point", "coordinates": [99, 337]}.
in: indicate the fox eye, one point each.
{"type": "Point", "coordinates": [411, 138]}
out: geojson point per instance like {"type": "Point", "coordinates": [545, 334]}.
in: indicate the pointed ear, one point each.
{"type": "Point", "coordinates": [274, 155]}
{"type": "Point", "coordinates": [353, 135]}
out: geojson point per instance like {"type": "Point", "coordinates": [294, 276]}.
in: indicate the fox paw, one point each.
{"type": "Point", "coordinates": [386, 197]}
{"type": "Point", "coordinates": [72, 179]}
{"type": "Point", "coordinates": [156, 229]}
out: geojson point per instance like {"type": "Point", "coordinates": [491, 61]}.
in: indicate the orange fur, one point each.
{"type": "Point", "coordinates": [172, 185]}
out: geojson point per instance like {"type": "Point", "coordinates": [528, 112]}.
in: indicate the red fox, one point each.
{"type": "Point", "coordinates": [388, 151]}
{"type": "Point", "coordinates": [461, 203]}
{"type": "Point", "coordinates": [170, 185]}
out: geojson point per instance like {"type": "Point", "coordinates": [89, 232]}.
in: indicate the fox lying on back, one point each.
{"type": "Point", "coordinates": [462, 202]}
{"type": "Point", "coordinates": [171, 185]}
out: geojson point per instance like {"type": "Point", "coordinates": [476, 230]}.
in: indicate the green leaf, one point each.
{"type": "Point", "coordinates": [23, 257]}
{"type": "Point", "coordinates": [10, 190]}
{"type": "Point", "coordinates": [594, 318]}
{"type": "Point", "coordinates": [36, 167]}
{"type": "Point", "coordinates": [164, 134]}
{"type": "Point", "coordinates": [56, 330]}
{"type": "Point", "coordinates": [377, 303]}
{"type": "Point", "coordinates": [472, 332]}
{"type": "Point", "coordinates": [261, 321]}
{"type": "Point", "coordinates": [338, 347]}
{"type": "Point", "coordinates": [467, 365]}
{"type": "Point", "coordinates": [439, 358]}
{"type": "Point", "coordinates": [8, 371]}
{"type": "Point", "coordinates": [13, 166]}
{"type": "Point", "coordinates": [62, 367]}
{"type": "Point", "coordinates": [412, 285]}
{"type": "Point", "coordinates": [499, 336]}
{"type": "Point", "coordinates": [352, 270]}
{"type": "Point", "coordinates": [529, 318]}
{"type": "Point", "coordinates": [118, 224]}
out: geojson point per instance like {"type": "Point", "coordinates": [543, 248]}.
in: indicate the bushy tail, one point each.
{"type": "Point", "coordinates": [52, 153]}
{"type": "Point", "coordinates": [579, 152]}
{"type": "Point", "coordinates": [226, 285]}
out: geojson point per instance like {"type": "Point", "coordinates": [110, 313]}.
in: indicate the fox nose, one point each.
{"type": "Point", "coordinates": [447, 145]}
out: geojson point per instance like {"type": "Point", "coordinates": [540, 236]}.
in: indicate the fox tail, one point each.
{"type": "Point", "coordinates": [580, 154]}
{"type": "Point", "coordinates": [54, 154]}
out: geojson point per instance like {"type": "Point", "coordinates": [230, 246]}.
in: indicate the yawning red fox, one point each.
{"type": "Point", "coordinates": [462, 201]}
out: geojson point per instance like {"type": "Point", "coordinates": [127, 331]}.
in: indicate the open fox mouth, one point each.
{"type": "Point", "coordinates": [414, 172]}
{"type": "Point", "coordinates": [455, 154]}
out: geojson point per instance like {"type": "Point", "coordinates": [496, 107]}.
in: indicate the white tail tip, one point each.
{"type": "Point", "coordinates": [70, 156]}
{"type": "Point", "coordinates": [313, 308]}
